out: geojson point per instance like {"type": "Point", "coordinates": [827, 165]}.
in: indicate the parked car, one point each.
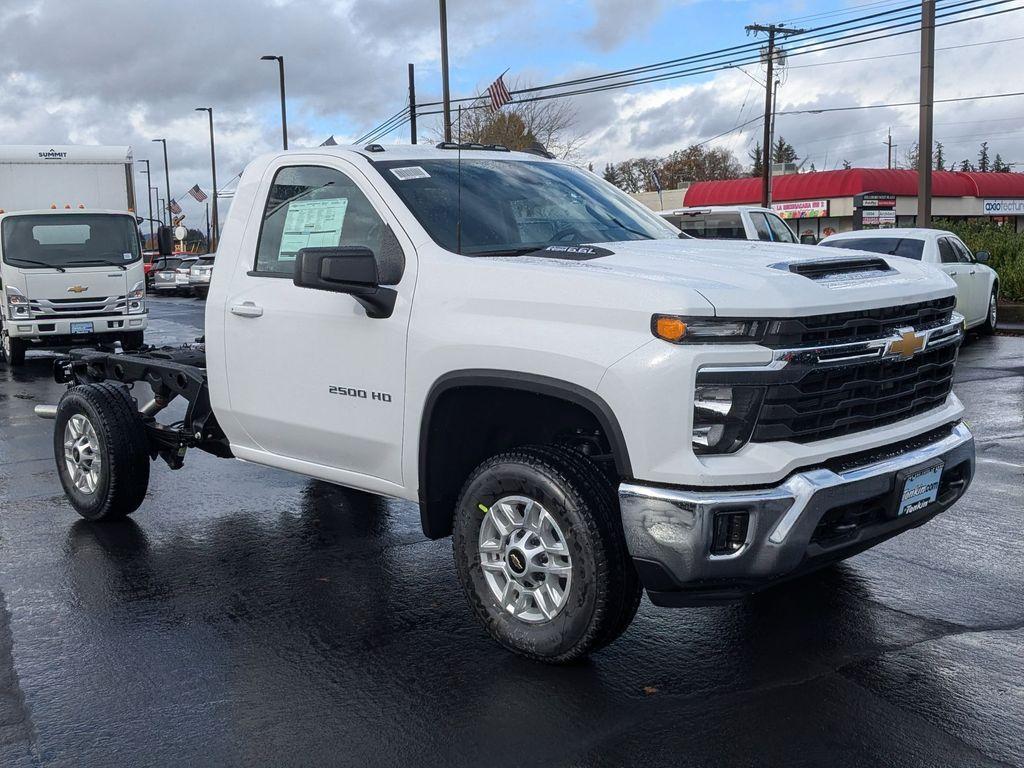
{"type": "Point", "coordinates": [172, 274]}
{"type": "Point", "coordinates": [528, 369]}
{"type": "Point", "coordinates": [739, 222]}
{"type": "Point", "coordinates": [977, 286]}
{"type": "Point", "coordinates": [199, 275]}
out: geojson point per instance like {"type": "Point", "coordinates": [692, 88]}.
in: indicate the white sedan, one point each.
{"type": "Point", "coordinates": [977, 286]}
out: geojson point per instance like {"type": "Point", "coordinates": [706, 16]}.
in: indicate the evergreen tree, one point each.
{"type": "Point", "coordinates": [999, 165]}
{"type": "Point", "coordinates": [983, 164]}
{"type": "Point", "coordinates": [846, 165]}
{"type": "Point", "coordinates": [965, 165]}
{"type": "Point", "coordinates": [940, 158]}
{"type": "Point", "coordinates": [757, 159]}
{"type": "Point", "coordinates": [783, 151]}
{"type": "Point", "coordinates": [611, 174]}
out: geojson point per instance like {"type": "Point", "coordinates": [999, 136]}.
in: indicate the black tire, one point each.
{"type": "Point", "coordinates": [122, 479]}
{"type": "Point", "coordinates": [132, 340]}
{"type": "Point", "coordinates": [604, 591]}
{"type": "Point", "coordinates": [992, 319]}
{"type": "Point", "coordinates": [13, 350]}
{"type": "Point", "coordinates": [200, 293]}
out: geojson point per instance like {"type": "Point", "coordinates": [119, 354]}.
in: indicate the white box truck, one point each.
{"type": "Point", "coordinates": [70, 255]}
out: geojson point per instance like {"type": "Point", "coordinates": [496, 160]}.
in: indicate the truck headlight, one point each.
{"type": "Point", "coordinates": [723, 417]}
{"type": "Point", "coordinates": [137, 298]}
{"type": "Point", "coordinates": [707, 330]}
{"type": "Point", "coordinates": [18, 307]}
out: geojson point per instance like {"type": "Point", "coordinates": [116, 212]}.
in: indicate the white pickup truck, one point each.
{"type": "Point", "coordinates": [523, 350]}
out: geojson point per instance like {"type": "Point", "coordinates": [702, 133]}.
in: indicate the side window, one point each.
{"type": "Point", "coordinates": [309, 207]}
{"type": "Point", "coordinates": [963, 252]}
{"type": "Point", "coordinates": [780, 229]}
{"type": "Point", "coordinates": [947, 255]}
{"type": "Point", "coordinates": [761, 226]}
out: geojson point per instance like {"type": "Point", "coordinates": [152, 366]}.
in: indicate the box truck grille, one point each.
{"type": "Point", "coordinates": [94, 306]}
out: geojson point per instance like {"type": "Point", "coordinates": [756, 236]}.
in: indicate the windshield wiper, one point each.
{"type": "Point", "coordinates": [620, 225]}
{"type": "Point", "coordinates": [509, 251]}
{"type": "Point", "coordinates": [37, 263]}
{"type": "Point", "coordinates": [122, 267]}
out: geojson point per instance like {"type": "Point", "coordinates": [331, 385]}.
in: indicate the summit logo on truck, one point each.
{"type": "Point", "coordinates": [52, 154]}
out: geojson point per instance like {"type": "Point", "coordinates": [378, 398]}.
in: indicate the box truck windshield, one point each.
{"type": "Point", "coordinates": [68, 240]}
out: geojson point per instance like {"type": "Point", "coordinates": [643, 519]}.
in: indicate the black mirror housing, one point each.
{"type": "Point", "coordinates": [982, 256]}
{"type": "Point", "coordinates": [165, 241]}
{"type": "Point", "coordinates": [351, 270]}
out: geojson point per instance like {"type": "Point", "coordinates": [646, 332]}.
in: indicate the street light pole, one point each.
{"type": "Point", "coordinates": [284, 111]}
{"type": "Point", "coordinates": [925, 116]}
{"type": "Point", "coordinates": [149, 202]}
{"type": "Point", "coordinates": [167, 180]}
{"type": "Point", "coordinates": [213, 169]}
{"type": "Point", "coordinates": [445, 91]}
{"type": "Point", "coordinates": [153, 189]}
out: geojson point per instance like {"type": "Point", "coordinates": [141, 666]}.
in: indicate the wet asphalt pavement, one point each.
{"type": "Point", "coordinates": [250, 617]}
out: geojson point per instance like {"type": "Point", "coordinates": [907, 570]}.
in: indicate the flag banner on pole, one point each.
{"type": "Point", "coordinates": [175, 208]}
{"type": "Point", "coordinates": [499, 94]}
{"type": "Point", "coordinates": [197, 193]}
{"type": "Point", "coordinates": [329, 142]}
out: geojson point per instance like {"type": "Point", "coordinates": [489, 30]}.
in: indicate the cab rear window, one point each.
{"type": "Point", "coordinates": [715, 226]}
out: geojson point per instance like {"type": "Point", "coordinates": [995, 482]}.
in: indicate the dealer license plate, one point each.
{"type": "Point", "coordinates": [920, 490]}
{"type": "Point", "coordinates": [81, 328]}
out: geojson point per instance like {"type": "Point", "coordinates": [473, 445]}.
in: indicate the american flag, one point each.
{"type": "Point", "coordinates": [175, 208]}
{"type": "Point", "coordinates": [499, 93]}
{"type": "Point", "coordinates": [197, 193]}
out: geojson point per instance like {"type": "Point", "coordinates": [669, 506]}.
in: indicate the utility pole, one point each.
{"type": "Point", "coordinates": [157, 196]}
{"type": "Point", "coordinates": [208, 248]}
{"type": "Point", "coordinates": [891, 146]}
{"type": "Point", "coordinates": [772, 30]}
{"type": "Point", "coordinates": [213, 171]}
{"type": "Point", "coordinates": [927, 97]}
{"type": "Point", "coordinates": [412, 102]}
{"type": "Point", "coordinates": [167, 179]}
{"type": "Point", "coordinates": [446, 96]}
{"type": "Point", "coordinates": [149, 201]}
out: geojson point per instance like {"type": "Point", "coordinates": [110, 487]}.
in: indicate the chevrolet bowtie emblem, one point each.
{"type": "Point", "coordinates": [907, 345]}
{"type": "Point", "coordinates": [78, 289]}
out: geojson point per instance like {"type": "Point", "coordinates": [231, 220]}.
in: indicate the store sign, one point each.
{"type": "Point", "coordinates": [875, 200]}
{"type": "Point", "coordinates": [1004, 207]}
{"type": "Point", "coordinates": [878, 217]}
{"type": "Point", "coordinates": [803, 209]}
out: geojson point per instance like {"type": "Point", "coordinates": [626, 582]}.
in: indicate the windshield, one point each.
{"type": "Point", "coordinates": [37, 241]}
{"type": "Point", "coordinates": [889, 246]}
{"type": "Point", "coordinates": [512, 205]}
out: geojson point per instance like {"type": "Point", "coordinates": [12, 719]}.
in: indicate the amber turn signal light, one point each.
{"type": "Point", "coordinates": [669, 328]}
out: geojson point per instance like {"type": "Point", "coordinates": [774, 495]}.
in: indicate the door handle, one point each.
{"type": "Point", "coordinates": [974, 272]}
{"type": "Point", "coordinates": [247, 309]}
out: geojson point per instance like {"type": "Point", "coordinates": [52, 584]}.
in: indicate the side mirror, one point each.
{"type": "Point", "coordinates": [350, 270]}
{"type": "Point", "coordinates": [165, 241]}
{"type": "Point", "coordinates": [982, 256]}
{"type": "Point", "coordinates": [808, 240]}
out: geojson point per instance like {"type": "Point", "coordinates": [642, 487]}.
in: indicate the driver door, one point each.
{"type": "Point", "coordinates": [310, 376]}
{"type": "Point", "coordinates": [949, 262]}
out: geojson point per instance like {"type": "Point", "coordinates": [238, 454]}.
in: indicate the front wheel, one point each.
{"type": "Point", "coordinates": [132, 341]}
{"type": "Point", "coordinates": [101, 449]}
{"type": "Point", "coordinates": [540, 553]}
{"type": "Point", "coordinates": [13, 349]}
{"type": "Point", "coordinates": [993, 314]}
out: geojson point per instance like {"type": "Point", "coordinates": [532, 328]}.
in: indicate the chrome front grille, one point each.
{"type": "Point", "coordinates": [91, 306]}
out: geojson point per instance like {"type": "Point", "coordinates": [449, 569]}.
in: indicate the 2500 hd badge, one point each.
{"type": "Point", "coordinates": [362, 394]}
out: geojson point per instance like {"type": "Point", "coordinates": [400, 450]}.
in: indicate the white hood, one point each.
{"type": "Point", "coordinates": [744, 278]}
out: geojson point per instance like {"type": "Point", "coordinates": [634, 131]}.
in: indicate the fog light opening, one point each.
{"type": "Point", "coordinates": [729, 532]}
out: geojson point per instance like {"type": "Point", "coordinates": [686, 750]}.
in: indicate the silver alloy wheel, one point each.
{"type": "Point", "coordinates": [992, 311]}
{"type": "Point", "coordinates": [82, 453]}
{"type": "Point", "coordinates": [525, 559]}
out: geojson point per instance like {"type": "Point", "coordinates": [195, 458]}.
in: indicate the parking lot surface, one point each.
{"type": "Point", "coordinates": [246, 616]}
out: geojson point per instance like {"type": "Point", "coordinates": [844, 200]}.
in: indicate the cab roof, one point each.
{"type": "Point", "coordinates": [914, 233]}
{"type": "Point", "coordinates": [386, 152]}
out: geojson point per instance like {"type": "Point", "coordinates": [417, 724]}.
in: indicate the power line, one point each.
{"type": "Point", "coordinates": [905, 53]}
{"type": "Point", "coordinates": [897, 104]}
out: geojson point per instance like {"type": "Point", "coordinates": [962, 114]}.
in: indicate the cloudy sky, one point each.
{"type": "Point", "coordinates": [125, 71]}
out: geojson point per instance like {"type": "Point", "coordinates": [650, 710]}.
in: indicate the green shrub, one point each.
{"type": "Point", "coordinates": [1005, 245]}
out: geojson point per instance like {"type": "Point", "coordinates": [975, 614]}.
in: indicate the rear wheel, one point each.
{"type": "Point", "coordinates": [13, 349]}
{"type": "Point", "coordinates": [993, 314]}
{"type": "Point", "coordinates": [102, 453]}
{"type": "Point", "coordinates": [541, 556]}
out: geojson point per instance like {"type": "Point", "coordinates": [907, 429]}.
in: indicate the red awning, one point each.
{"type": "Point", "coordinates": [828, 184]}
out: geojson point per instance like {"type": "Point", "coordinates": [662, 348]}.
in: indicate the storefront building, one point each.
{"type": "Point", "coordinates": [824, 202]}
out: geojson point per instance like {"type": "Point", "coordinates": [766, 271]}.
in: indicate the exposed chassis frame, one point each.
{"type": "Point", "coordinates": [171, 372]}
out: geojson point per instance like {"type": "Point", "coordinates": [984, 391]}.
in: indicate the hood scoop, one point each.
{"type": "Point", "coordinates": [837, 268]}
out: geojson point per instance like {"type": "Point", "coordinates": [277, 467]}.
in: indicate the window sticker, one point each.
{"type": "Point", "coordinates": [312, 224]}
{"type": "Point", "coordinates": [126, 256]}
{"type": "Point", "coordinates": [410, 173]}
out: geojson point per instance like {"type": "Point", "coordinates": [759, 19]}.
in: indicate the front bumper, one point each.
{"type": "Point", "coordinates": [811, 519]}
{"type": "Point", "coordinates": [57, 331]}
